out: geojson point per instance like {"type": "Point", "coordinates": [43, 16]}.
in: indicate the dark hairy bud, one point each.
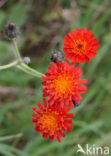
{"type": "Point", "coordinates": [75, 104]}
{"type": "Point", "coordinates": [56, 56]}
{"type": "Point", "coordinates": [11, 31]}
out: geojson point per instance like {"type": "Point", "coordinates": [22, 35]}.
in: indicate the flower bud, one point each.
{"type": "Point", "coordinates": [26, 60]}
{"type": "Point", "coordinates": [11, 31]}
{"type": "Point", "coordinates": [56, 56]}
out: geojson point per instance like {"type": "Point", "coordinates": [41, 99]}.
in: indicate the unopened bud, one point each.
{"type": "Point", "coordinates": [11, 31]}
{"type": "Point", "coordinates": [56, 56]}
{"type": "Point", "coordinates": [75, 104]}
{"type": "Point", "coordinates": [26, 60]}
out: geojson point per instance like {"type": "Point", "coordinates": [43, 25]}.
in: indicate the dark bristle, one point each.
{"type": "Point", "coordinates": [11, 26]}
{"type": "Point", "coordinates": [75, 104]}
{"type": "Point", "coordinates": [11, 31]}
{"type": "Point", "coordinates": [56, 56]}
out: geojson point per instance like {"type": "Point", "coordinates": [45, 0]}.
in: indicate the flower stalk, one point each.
{"type": "Point", "coordinates": [20, 64]}
{"type": "Point", "coordinates": [9, 65]}
{"type": "Point", "coordinates": [16, 50]}
{"type": "Point", "coordinates": [29, 69]}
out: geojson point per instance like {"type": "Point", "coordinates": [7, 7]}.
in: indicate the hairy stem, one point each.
{"type": "Point", "coordinates": [9, 65]}
{"type": "Point", "coordinates": [32, 70]}
{"type": "Point", "coordinates": [20, 64]}
{"type": "Point", "coordinates": [26, 71]}
{"type": "Point", "coordinates": [16, 50]}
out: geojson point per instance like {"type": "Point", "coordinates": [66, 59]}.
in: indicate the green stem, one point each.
{"type": "Point", "coordinates": [38, 74]}
{"type": "Point", "coordinates": [8, 65]}
{"type": "Point", "coordinates": [16, 50]}
{"type": "Point", "coordinates": [19, 64]}
{"type": "Point", "coordinates": [24, 70]}
{"type": "Point", "coordinates": [22, 65]}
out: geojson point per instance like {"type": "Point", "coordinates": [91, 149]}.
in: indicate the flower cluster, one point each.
{"type": "Point", "coordinates": [63, 85]}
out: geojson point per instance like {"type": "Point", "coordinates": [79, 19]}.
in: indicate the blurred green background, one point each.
{"type": "Point", "coordinates": [43, 25]}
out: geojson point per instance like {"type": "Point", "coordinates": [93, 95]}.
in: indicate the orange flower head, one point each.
{"type": "Point", "coordinates": [51, 121]}
{"type": "Point", "coordinates": [80, 45]}
{"type": "Point", "coordinates": [62, 84]}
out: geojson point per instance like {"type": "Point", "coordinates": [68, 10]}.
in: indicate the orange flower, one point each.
{"type": "Point", "coordinates": [51, 121]}
{"type": "Point", "coordinates": [80, 45]}
{"type": "Point", "coordinates": [62, 84]}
